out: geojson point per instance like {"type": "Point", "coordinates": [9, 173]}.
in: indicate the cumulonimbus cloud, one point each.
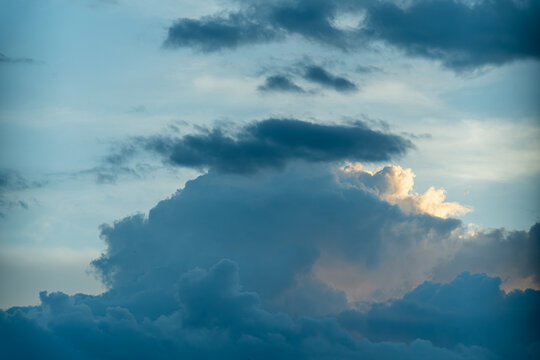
{"type": "Point", "coordinates": [249, 266]}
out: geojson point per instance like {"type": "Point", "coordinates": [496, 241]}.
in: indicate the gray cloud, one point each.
{"type": "Point", "coordinates": [315, 74]}
{"type": "Point", "coordinates": [11, 60]}
{"type": "Point", "coordinates": [472, 309]}
{"type": "Point", "coordinates": [12, 181]}
{"type": "Point", "coordinates": [173, 292]}
{"type": "Point", "coordinates": [275, 142]}
{"type": "Point", "coordinates": [216, 319]}
{"type": "Point", "coordinates": [459, 34]}
{"type": "Point", "coordinates": [319, 75]}
{"type": "Point", "coordinates": [215, 33]}
{"type": "Point", "coordinates": [495, 252]}
{"type": "Point", "coordinates": [280, 83]}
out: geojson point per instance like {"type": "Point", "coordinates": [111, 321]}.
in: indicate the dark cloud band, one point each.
{"type": "Point", "coordinates": [460, 34]}
{"type": "Point", "coordinates": [275, 142]}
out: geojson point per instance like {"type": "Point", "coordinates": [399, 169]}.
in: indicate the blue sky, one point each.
{"type": "Point", "coordinates": [415, 124]}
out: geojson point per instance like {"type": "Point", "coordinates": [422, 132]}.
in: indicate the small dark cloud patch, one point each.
{"type": "Point", "coordinates": [118, 163]}
{"type": "Point", "coordinates": [313, 73]}
{"type": "Point", "coordinates": [280, 83]}
{"type": "Point", "coordinates": [463, 36]}
{"type": "Point", "coordinates": [13, 60]}
{"type": "Point", "coordinates": [416, 136]}
{"type": "Point", "coordinates": [367, 69]}
{"type": "Point", "coordinates": [216, 33]}
{"type": "Point", "coordinates": [139, 109]}
{"type": "Point", "coordinates": [11, 181]}
{"type": "Point", "coordinates": [319, 75]}
{"type": "Point", "coordinates": [108, 174]}
{"type": "Point", "coordinates": [275, 142]}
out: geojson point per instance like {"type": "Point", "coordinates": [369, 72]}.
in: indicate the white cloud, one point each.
{"type": "Point", "coordinates": [395, 185]}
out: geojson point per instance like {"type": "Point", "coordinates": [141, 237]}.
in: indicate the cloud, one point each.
{"type": "Point", "coordinates": [277, 225]}
{"type": "Point", "coordinates": [216, 319]}
{"type": "Point", "coordinates": [280, 83]}
{"type": "Point", "coordinates": [395, 185]}
{"type": "Point", "coordinates": [235, 266]}
{"type": "Point", "coordinates": [459, 34]}
{"type": "Point", "coordinates": [215, 33]}
{"type": "Point", "coordinates": [272, 143]}
{"type": "Point", "coordinates": [309, 239]}
{"type": "Point", "coordinates": [314, 74]}
{"type": "Point", "coordinates": [495, 252]}
{"type": "Point", "coordinates": [322, 77]}
{"type": "Point", "coordinates": [470, 310]}
{"type": "Point", "coordinates": [11, 60]}
{"type": "Point", "coordinates": [367, 69]}
{"type": "Point", "coordinates": [12, 181]}
{"type": "Point", "coordinates": [123, 161]}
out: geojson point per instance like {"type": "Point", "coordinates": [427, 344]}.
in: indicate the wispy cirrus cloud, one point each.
{"type": "Point", "coordinates": [17, 60]}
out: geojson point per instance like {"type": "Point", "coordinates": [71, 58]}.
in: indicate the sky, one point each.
{"type": "Point", "coordinates": [269, 179]}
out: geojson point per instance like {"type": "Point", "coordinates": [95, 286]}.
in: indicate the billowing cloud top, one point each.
{"type": "Point", "coordinates": [275, 142]}
{"type": "Point", "coordinates": [395, 185]}
{"type": "Point", "coordinates": [459, 33]}
{"type": "Point", "coordinates": [312, 247]}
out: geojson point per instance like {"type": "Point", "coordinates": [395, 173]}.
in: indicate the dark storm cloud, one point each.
{"type": "Point", "coordinates": [275, 225]}
{"type": "Point", "coordinates": [280, 83]}
{"type": "Point", "coordinates": [174, 293]}
{"type": "Point", "coordinates": [275, 142]}
{"type": "Point", "coordinates": [319, 75]}
{"type": "Point", "coordinates": [471, 309]}
{"type": "Point", "coordinates": [311, 19]}
{"type": "Point", "coordinates": [460, 34]}
{"type": "Point", "coordinates": [216, 319]}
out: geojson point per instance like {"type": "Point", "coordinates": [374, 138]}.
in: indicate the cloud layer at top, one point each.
{"type": "Point", "coordinates": [273, 143]}
{"type": "Point", "coordinates": [460, 34]}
